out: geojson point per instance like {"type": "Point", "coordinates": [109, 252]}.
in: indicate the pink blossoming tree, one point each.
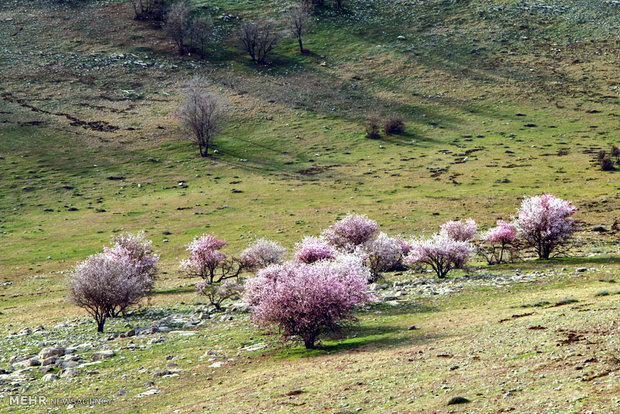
{"type": "Point", "coordinates": [498, 239]}
{"type": "Point", "coordinates": [108, 283]}
{"type": "Point", "coordinates": [350, 232]}
{"type": "Point", "coordinates": [441, 253]}
{"type": "Point", "coordinates": [303, 299]}
{"type": "Point", "coordinates": [208, 262]}
{"type": "Point", "coordinates": [546, 223]}
{"type": "Point", "coordinates": [382, 253]}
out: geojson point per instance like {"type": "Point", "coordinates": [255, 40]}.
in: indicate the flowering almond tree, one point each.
{"type": "Point", "coordinates": [312, 249]}
{"type": "Point", "coordinates": [459, 230]}
{"type": "Point", "coordinates": [441, 253]}
{"type": "Point", "coordinates": [382, 253]}
{"type": "Point", "coordinates": [499, 237]}
{"type": "Point", "coordinates": [262, 253]}
{"type": "Point", "coordinates": [302, 299]}
{"type": "Point", "coordinates": [545, 222]}
{"type": "Point", "coordinates": [350, 232]}
{"type": "Point", "coordinates": [208, 262]}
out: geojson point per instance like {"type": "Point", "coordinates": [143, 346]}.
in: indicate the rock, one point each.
{"type": "Point", "coordinates": [69, 373]}
{"type": "Point", "coordinates": [102, 355]}
{"type": "Point", "coordinates": [149, 384]}
{"type": "Point", "coordinates": [45, 369]}
{"type": "Point", "coordinates": [458, 400]}
{"type": "Point", "coordinates": [69, 364]}
{"type": "Point", "coordinates": [34, 362]}
{"type": "Point", "coordinates": [49, 377]}
{"type": "Point", "coordinates": [413, 328]}
{"type": "Point", "coordinates": [51, 352]}
{"type": "Point", "coordinates": [401, 38]}
{"type": "Point", "coordinates": [147, 393]}
{"type": "Point", "coordinates": [49, 361]}
{"type": "Point", "coordinates": [581, 269]}
{"type": "Point", "coordinates": [255, 347]}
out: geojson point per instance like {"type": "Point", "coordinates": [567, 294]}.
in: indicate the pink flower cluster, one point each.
{"type": "Point", "coordinates": [262, 253]}
{"type": "Point", "coordinates": [302, 299]}
{"type": "Point", "coordinates": [545, 222]}
{"type": "Point", "coordinates": [459, 231]}
{"type": "Point", "coordinates": [350, 232]}
{"type": "Point", "coordinates": [313, 249]}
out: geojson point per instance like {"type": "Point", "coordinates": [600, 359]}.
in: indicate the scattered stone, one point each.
{"type": "Point", "coordinates": [413, 328]}
{"type": "Point", "coordinates": [51, 352]}
{"type": "Point", "coordinates": [99, 355]}
{"type": "Point", "coordinates": [49, 377]}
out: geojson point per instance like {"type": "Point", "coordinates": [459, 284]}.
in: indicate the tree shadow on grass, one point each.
{"type": "Point", "coordinates": [364, 337]}
{"type": "Point", "coordinates": [360, 339]}
{"type": "Point", "coordinates": [584, 260]}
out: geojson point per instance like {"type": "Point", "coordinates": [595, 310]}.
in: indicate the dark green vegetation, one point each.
{"type": "Point", "coordinates": [500, 99]}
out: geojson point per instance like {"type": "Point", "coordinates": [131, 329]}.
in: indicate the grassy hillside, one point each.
{"type": "Point", "coordinates": [501, 98]}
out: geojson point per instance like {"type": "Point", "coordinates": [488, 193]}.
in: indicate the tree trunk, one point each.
{"type": "Point", "coordinates": [100, 324]}
{"type": "Point", "coordinates": [301, 45]}
{"type": "Point", "coordinates": [309, 343]}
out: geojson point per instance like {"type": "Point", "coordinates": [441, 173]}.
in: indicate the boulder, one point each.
{"type": "Point", "coordinates": [99, 355]}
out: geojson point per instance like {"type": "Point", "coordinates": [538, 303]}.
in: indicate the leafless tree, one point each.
{"type": "Point", "coordinates": [258, 39]}
{"type": "Point", "coordinates": [201, 29]}
{"type": "Point", "coordinates": [200, 113]}
{"type": "Point", "coordinates": [148, 9]}
{"type": "Point", "coordinates": [298, 21]}
{"type": "Point", "coordinates": [176, 25]}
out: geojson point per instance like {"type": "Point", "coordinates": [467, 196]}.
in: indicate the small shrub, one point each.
{"type": "Point", "coordinates": [262, 253]}
{"type": "Point", "coordinates": [372, 129]}
{"type": "Point", "coordinates": [218, 293]}
{"type": "Point", "coordinates": [566, 301]}
{"type": "Point", "coordinates": [303, 299]}
{"type": "Point", "coordinates": [615, 151]}
{"type": "Point", "coordinates": [545, 223]}
{"type": "Point", "coordinates": [393, 126]}
{"type": "Point", "coordinates": [606, 164]}
{"type": "Point", "coordinates": [602, 293]}
{"type": "Point", "coordinates": [314, 249]}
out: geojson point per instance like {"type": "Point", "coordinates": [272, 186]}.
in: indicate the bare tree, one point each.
{"type": "Point", "coordinates": [258, 39]}
{"type": "Point", "coordinates": [298, 20]}
{"type": "Point", "coordinates": [339, 4]}
{"type": "Point", "coordinates": [200, 113]}
{"type": "Point", "coordinates": [148, 9]}
{"type": "Point", "coordinates": [201, 29]}
{"type": "Point", "coordinates": [176, 26]}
